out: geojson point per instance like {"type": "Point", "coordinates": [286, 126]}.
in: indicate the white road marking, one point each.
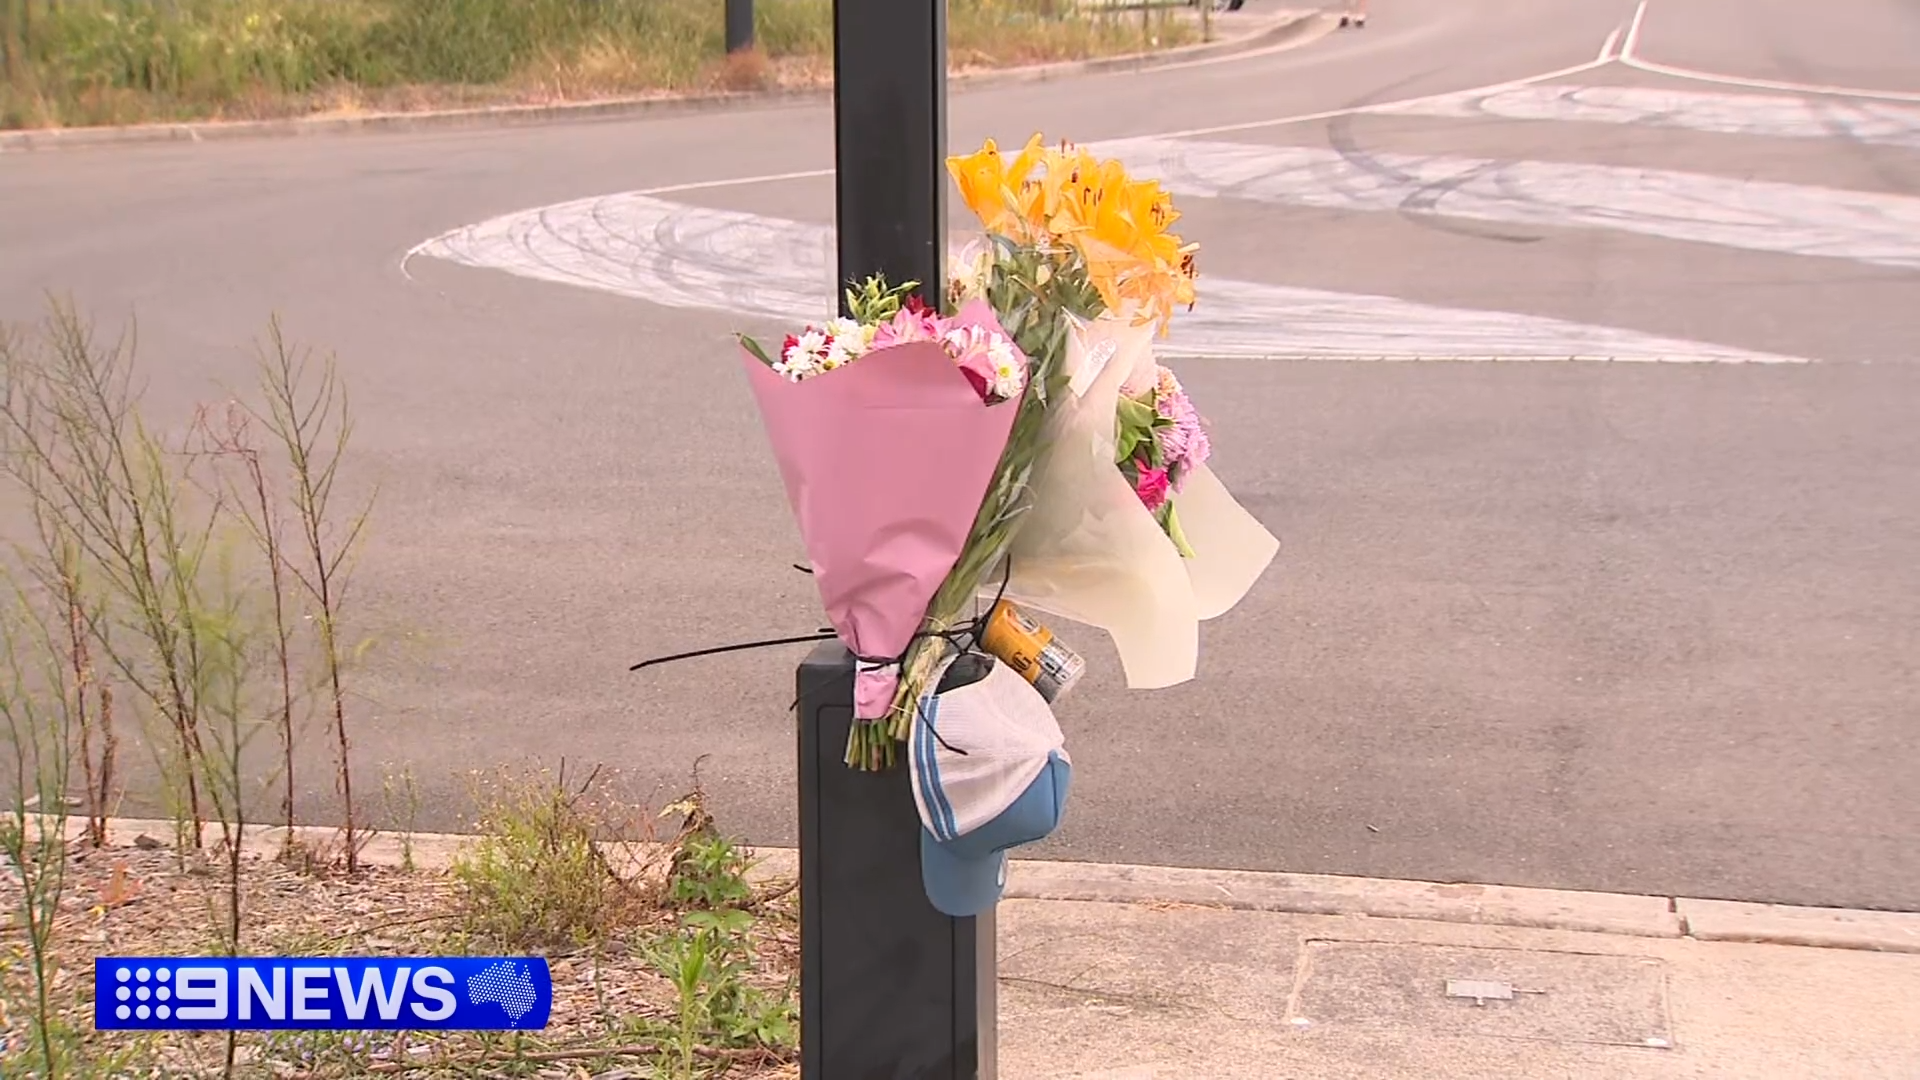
{"type": "Point", "coordinates": [741, 181]}
{"type": "Point", "coordinates": [1633, 30]}
{"type": "Point", "coordinates": [1283, 121]}
{"type": "Point", "coordinates": [810, 174]}
{"type": "Point", "coordinates": [1822, 89]}
{"type": "Point", "coordinates": [1355, 110]}
{"type": "Point", "coordinates": [761, 268]}
{"type": "Point", "coordinates": [1606, 47]}
{"type": "Point", "coordinates": [1629, 57]}
{"type": "Point", "coordinates": [1751, 215]}
{"type": "Point", "coordinates": [638, 245]}
{"type": "Point", "coordinates": [1769, 116]}
{"type": "Point", "coordinates": [1524, 99]}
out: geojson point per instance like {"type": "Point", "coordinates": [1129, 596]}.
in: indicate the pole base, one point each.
{"type": "Point", "coordinates": [890, 989]}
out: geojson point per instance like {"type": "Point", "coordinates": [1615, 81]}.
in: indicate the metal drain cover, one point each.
{"type": "Point", "coordinates": [1497, 993]}
{"type": "Point", "coordinates": [1481, 991]}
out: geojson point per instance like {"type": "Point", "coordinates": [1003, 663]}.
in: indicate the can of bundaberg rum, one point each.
{"type": "Point", "coordinates": [1031, 650]}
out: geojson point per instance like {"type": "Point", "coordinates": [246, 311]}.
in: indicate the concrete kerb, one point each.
{"type": "Point", "coordinates": [1284, 29]}
{"type": "Point", "coordinates": [1820, 928]}
{"type": "Point", "coordinates": [1280, 30]}
{"type": "Point", "coordinates": [1246, 890]}
{"type": "Point", "coordinates": [1319, 894]}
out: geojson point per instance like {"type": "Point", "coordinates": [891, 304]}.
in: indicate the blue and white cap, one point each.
{"type": "Point", "coordinates": [990, 772]}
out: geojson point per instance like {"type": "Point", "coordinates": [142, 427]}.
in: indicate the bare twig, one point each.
{"type": "Point", "coordinates": [763, 899]}
{"type": "Point", "coordinates": [312, 424]}
{"type": "Point", "coordinates": [96, 767]}
{"type": "Point", "coordinates": [37, 707]}
{"type": "Point", "coordinates": [395, 924]}
{"type": "Point", "coordinates": [254, 494]}
{"type": "Point", "coordinates": [98, 479]}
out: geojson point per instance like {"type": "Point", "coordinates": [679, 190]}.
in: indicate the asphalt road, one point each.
{"type": "Point", "coordinates": [1651, 627]}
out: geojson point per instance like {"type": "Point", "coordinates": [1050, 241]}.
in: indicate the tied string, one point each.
{"type": "Point", "coordinates": [822, 634]}
{"type": "Point", "coordinates": [969, 636]}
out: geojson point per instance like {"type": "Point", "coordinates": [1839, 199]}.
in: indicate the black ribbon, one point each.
{"type": "Point", "coordinates": [822, 634]}
{"type": "Point", "coordinates": [967, 637]}
{"type": "Point", "coordinates": [975, 629]}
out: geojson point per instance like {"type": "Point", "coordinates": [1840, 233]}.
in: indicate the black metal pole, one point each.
{"type": "Point", "coordinates": [739, 25]}
{"type": "Point", "coordinates": [890, 139]}
{"type": "Point", "coordinates": [890, 989]}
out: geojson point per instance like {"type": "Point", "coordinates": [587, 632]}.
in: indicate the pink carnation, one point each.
{"type": "Point", "coordinates": [1151, 487]}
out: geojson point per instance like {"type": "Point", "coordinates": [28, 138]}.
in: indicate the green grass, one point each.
{"type": "Point", "coordinates": [79, 62]}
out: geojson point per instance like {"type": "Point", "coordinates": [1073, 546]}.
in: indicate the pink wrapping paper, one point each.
{"type": "Point", "coordinates": [886, 462]}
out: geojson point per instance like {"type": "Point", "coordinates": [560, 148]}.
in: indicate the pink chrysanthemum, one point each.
{"type": "Point", "coordinates": [1185, 445]}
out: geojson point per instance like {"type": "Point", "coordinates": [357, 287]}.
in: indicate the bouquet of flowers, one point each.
{"type": "Point", "coordinates": [924, 404]}
{"type": "Point", "coordinates": [970, 428]}
{"type": "Point", "coordinates": [1068, 239]}
{"type": "Point", "coordinates": [885, 317]}
{"type": "Point", "coordinates": [1160, 441]}
{"type": "Point", "coordinates": [1102, 544]}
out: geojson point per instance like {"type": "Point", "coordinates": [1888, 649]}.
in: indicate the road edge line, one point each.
{"type": "Point", "coordinates": [1525, 907]}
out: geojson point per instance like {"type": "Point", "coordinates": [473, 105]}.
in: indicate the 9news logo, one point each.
{"type": "Point", "coordinates": [283, 994]}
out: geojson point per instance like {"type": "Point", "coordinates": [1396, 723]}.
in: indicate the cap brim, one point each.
{"type": "Point", "coordinates": [967, 876]}
{"type": "Point", "coordinates": [961, 885]}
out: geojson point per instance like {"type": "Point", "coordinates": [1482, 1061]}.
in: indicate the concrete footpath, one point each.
{"type": "Point", "coordinates": [1137, 991]}
{"type": "Point", "coordinates": [1112, 972]}
{"type": "Point", "coordinates": [1144, 973]}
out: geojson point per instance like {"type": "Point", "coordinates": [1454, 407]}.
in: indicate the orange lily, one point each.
{"type": "Point", "coordinates": [1064, 195]}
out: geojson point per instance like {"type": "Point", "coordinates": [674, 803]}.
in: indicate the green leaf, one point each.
{"type": "Point", "coordinates": [1136, 415]}
{"type": "Point", "coordinates": [1170, 521]}
{"type": "Point", "coordinates": [1135, 429]}
{"type": "Point", "coordinates": [875, 301]}
{"type": "Point", "coordinates": [753, 347]}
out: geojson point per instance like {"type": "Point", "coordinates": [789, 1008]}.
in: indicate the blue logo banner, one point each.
{"type": "Point", "coordinates": [435, 993]}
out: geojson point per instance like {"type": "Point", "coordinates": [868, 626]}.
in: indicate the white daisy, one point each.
{"type": "Point", "coordinates": [1009, 374]}
{"type": "Point", "coordinates": [846, 333]}
{"type": "Point", "coordinates": [837, 353]}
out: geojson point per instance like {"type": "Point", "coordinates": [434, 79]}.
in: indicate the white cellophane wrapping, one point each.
{"type": "Point", "coordinates": [1092, 553]}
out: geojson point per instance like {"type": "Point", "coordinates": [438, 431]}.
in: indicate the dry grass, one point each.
{"type": "Point", "coordinates": [90, 62]}
{"type": "Point", "coordinates": [666, 960]}
{"type": "Point", "coordinates": [610, 1002]}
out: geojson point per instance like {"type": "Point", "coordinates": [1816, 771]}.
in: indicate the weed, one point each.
{"type": "Point", "coordinates": [135, 574]}
{"type": "Point", "coordinates": [225, 690]}
{"type": "Point", "coordinates": [708, 875]}
{"type": "Point", "coordinates": [709, 963]}
{"type": "Point", "coordinates": [708, 955]}
{"type": "Point", "coordinates": [251, 492]}
{"type": "Point", "coordinates": [97, 478]}
{"type": "Point", "coordinates": [402, 802]}
{"type": "Point", "coordinates": [308, 415]}
{"type": "Point", "coordinates": [537, 877]}
{"type": "Point", "coordinates": [34, 844]}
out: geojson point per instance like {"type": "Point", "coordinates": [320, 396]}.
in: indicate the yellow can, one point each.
{"type": "Point", "coordinates": [1030, 649]}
